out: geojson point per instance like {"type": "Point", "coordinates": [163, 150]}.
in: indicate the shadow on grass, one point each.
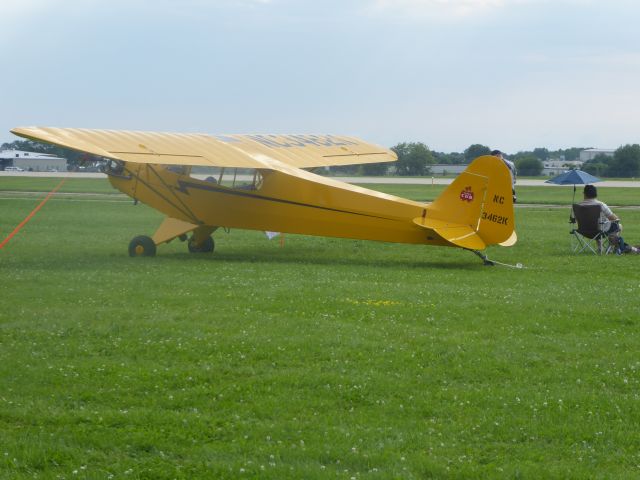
{"type": "Point", "coordinates": [110, 262]}
{"type": "Point", "coordinates": [466, 260]}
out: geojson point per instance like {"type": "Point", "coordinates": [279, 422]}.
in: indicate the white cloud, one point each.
{"type": "Point", "coordinates": [439, 9]}
{"type": "Point", "coordinates": [13, 14]}
{"type": "Point", "coordinates": [436, 8]}
{"type": "Point", "coordinates": [12, 8]}
{"type": "Point", "coordinates": [19, 16]}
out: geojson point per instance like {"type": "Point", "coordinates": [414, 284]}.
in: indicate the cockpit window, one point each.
{"type": "Point", "coordinates": [112, 167]}
{"type": "Point", "coordinates": [239, 178]}
{"type": "Point", "coordinates": [179, 169]}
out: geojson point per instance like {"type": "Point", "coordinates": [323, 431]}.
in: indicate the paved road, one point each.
{"type": "Point", "coordinates": [387, 180]}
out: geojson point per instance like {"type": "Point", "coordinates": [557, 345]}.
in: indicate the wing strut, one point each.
{"type": "Point", "coordinates": [182, 208]}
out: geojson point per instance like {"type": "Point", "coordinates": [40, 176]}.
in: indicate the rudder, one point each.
{"type": "Point", "coordinates": [476, 209]}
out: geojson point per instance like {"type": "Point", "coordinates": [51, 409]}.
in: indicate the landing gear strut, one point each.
{"type": "Point", "coordinates": [485, 259]}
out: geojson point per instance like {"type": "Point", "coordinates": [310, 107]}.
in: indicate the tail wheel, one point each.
{"type": "Point", "coordinates": [206, 246]}
{"type": "Point", "coordinates": [142, 246]}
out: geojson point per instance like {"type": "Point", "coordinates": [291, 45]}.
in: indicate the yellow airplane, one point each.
{"type": "Point", "coordinates": [159, 169]}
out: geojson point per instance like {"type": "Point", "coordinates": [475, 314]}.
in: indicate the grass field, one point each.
{"type": "Point", "coordinates": [321, 358]}
{"type": "Point", "coordinates": [559, 195]}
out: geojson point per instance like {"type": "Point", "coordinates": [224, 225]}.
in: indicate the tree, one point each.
{"type": "Point", "coordinates": [569, 154]}
{"type": "Point", "coordinates": [375, 169]}
{"type": "Point", "coordinates": [626, 162]}
{"type": "Point", "coordinates": [413, 158]}
{"type": "Point", "coordinates": [598, 166]}
{"type": "Point", "coordinates": [475, 150]}
{"type": "Point", "coordinates": [529, 165]}
{"type": "Point", "coordinates": [346, 169]}
{"type": "Point", "coordinates": [541, 153]}
{"type": "Point", "coordinates": [520, 155]}
{"type": "Point", "coordinates": [453, 158]}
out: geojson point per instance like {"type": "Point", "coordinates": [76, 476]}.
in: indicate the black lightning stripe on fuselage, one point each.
{"type": "Point", "coordinates": [183, 185]}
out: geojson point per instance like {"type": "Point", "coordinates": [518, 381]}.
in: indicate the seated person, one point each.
{"type": "Point", "coordinates": [609, 220]}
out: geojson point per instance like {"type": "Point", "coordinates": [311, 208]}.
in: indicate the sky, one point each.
{"type": "Point", "coordinates": [509, 74]}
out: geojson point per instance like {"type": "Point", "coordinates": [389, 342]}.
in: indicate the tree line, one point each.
{"type": "Point", "coordinates": [416, 159]}
{"type": "Point", "coordinates": [624, 163]}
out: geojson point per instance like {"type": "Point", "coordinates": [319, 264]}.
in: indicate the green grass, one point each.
{"type": "Point", "coordinates": [70, 185]}
{"type": "Point", "coordinates": [557, 195]}
{"type": "Point", "coordinates": [560, 195]}
{"type": "Point", "coordinates": [323, 358]}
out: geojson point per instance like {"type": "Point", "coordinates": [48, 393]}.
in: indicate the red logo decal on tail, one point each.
{"type": "Point", "coordinates": [466, 195]}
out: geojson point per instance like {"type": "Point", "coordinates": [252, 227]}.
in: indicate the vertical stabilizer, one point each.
{"type": "Point", "coordinates": [476, 209]}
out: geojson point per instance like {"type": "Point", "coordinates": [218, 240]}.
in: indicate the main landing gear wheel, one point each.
{"type": "Point", "coordinates": [142, 246]}
{"type": "Point", "coordinates": [206, 246]}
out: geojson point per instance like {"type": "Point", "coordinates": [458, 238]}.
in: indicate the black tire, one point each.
{"type": "Point", "coordinates": [142, 246]}
{"type": "Point", "coordinates": [205, 247]}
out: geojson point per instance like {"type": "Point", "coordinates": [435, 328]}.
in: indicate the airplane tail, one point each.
{"type": "Point", "coordinates": [476, 209]}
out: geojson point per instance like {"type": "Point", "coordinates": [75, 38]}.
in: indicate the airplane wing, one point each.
{"type": "Point", "coordinates": [242, 151]}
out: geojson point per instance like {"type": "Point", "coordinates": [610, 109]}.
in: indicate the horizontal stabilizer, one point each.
{"type": "Point", "coordinates": [461, 235]}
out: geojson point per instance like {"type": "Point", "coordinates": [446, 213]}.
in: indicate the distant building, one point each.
{"type": "Point", "coordinates": [446, 169]}
{"type": "Point", "coordinates": [556, 167]}
{"type": "Point", "coordinates": [32, 161]}
{"type": "Point", "coordinates": [591, 153]}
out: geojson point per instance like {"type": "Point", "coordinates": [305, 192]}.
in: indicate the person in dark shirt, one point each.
{"type": "Point", "coordinates": [512, 169]}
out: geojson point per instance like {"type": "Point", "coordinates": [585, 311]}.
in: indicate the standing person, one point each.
{"type": "Point", "coordinates": [609, 220]}
{"type": "Point", "coordinates": [512, 169]}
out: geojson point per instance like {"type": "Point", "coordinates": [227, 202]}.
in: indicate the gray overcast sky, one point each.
{"type": "Point", "coordinates": [511, 74]}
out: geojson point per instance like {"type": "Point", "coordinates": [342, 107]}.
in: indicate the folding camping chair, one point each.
{"type": "Point", "coordinates": [589, 234]}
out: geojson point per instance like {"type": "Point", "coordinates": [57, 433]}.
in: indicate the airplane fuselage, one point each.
{"type": "Point", "coordinates": [306, 204]}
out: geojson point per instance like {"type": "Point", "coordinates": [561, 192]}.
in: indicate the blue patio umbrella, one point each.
{"type": "Point", "coordinates": [574, 177]}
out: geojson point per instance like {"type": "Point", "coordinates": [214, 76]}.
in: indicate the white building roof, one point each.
{"type": "Point", "coordinates": [13, 154]}
{"type": "Point", "coordinates": [600, 150]}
